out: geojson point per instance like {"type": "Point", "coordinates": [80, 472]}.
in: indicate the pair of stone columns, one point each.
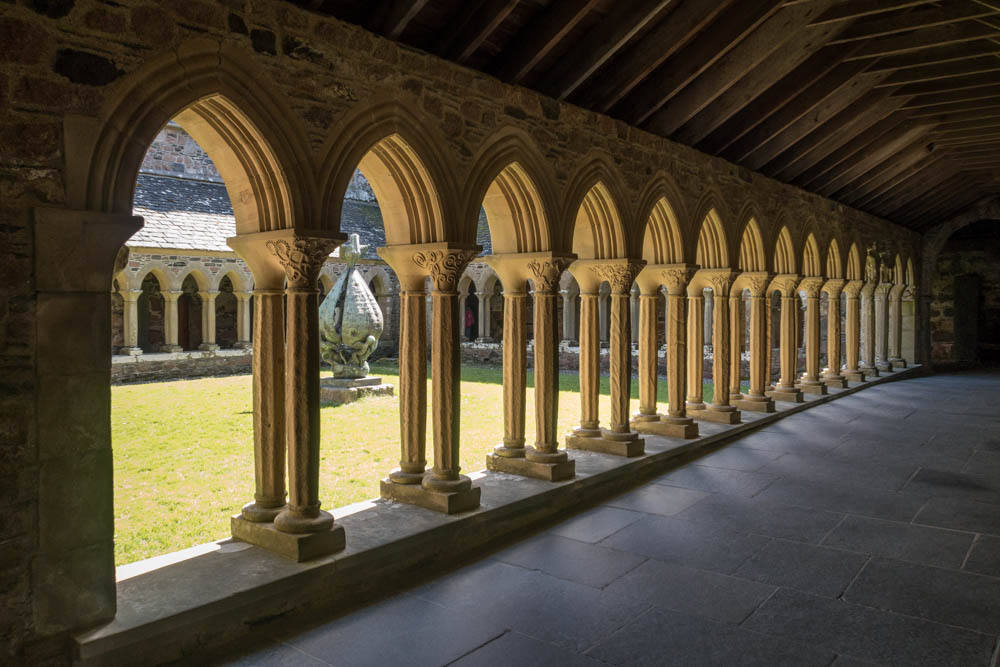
{"type": "Point", "coordinates": [544, 460]}
{"type": "Point", "coordinates": [785, 389]}
{"type": "Point", "coordinates": [442, 488]}
{"type": "Point", "coordinates": [618, 438]}
{"type": "Point", "coordinates": [286, 399]}
{"type": "Point", "coordinates": [485, 314]}
{"type": "Point", "coordinates": [756, 399]}
{"type": "Point", "coordinates": [130, 301]}
{"type": "Point", "coordinates": [810, 381]}
{"type": "Point", "coordinates": [721, 408]}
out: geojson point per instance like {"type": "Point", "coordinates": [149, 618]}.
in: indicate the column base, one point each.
{"type": "Point", "coordinates": [787, 395]}
{"type": "Point", "coordinates": [711, 414]}
{"type": "Point", "coordinates": [883, 366]}
{"type": "Point", "coordinates": [813, 387]}
{"type": "Point", "coordinates": [296, 546]}
{"type": "Point", "coordinates": [835, 381]}
{"type": "Point", "coordinates": [854, 376]}
{"type": "Point", "coordinates": [171, 348]}
{"type": "Point", "coordinates": [549, 472]}
{"type": "Point", "coordinates": [208, 347]}
{"type": "Point", "coordinates": [440, 501]}
{"type": "Point", "coordinates": [256, 514]}
{"type": "Point", "coordinates": [130, 351]}
{"type": "Point", "coordinates": [243, 345]}
{"type": "Point", "coordinates": [628, 446]}
{"type": "Point", "coordinates": [755, 405]}
{"type": "Point", "coordinates": [870, 371]}
{"type": "Point", "coordinates": [685, 428]}
{"type": "Point", "coordinates": [897, 364]}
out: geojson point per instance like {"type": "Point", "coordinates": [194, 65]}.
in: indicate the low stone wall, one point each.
{"type": "Point", "coordinates": [178, 365]}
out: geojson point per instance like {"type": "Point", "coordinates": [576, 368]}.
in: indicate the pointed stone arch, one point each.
{"type": "Point", "coordinates": [660, 235]}
{"type": "Point", "coordinates": [854, 269]}
{"type": "Point", "coordinates": [784, 253]}
{"type": "Point", "coordinates": [910, 274]}
{"type": "Point", "coordinates": [512, 182]}
{"type": "Point", "coordinates": [227, 106]}
{"type": "Point", "coordinates": [199, 277]}
{"type": "Point", "coordinates": [594, 204]}
{"type": "Point", "coordinates": [711, 251]}
{"type": "Point", "coordinates": [240, 281]}
{"type": "Point", "coordinates": [398, 154]}
{"type": "Point", "coordinates": [810, 257]}
{"type": "Point", "coordinates": [751, 256]}
{"type": "Point", "coordinates": [834, 265]}
{"type": "Point", "coordinates": [163, 274]}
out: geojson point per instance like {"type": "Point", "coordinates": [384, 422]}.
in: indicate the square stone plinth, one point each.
{"type": "Point", "coordinates": [717, 416]}
{"type": "Point", "coordinates": [627, 448]}
{"type": "Point", "coordinates": [446, 503]}
{"type": "Point", "coordinates": [668, 429]}
{"type": "Point", "coordinates": [897, 364]}
{"type": "Point", "coordinates": [817, 389]}
{"type": "Point", "coordinates": [338, 391]}
{"type": "Point", "coordinates": [836, 383]}
{"type": "Point", "coordinates": [297, 546]}
{"type": "Point", "coordinates": [755, 406]}
{"type": "Point", "coordinates": [794, 396]}
{"type": "Point", "coordinates": [550, 472]}
{"type": "Point", "coordinates": [854, 376]}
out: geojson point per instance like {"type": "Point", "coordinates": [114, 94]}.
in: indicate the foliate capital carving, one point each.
{"type": "Point", "coordinates": [883, 289]}
{"type": "Point", "coordinates": [833, 287]}
{"type": "Point", "coordinates": [720, 282]}
{"type": "Point", "coordinates": [896, 293]}
{"type": "Point", "coordinates": [444, 266]}
{"type": "Point", "coordinates": [619, 275]}
{"type": "Point", "coordinates": [757, 285]}
{"type": "Point", "coordinates": [676, 280]}
{"type": "Point", "coordinates": [812, 287]}
{"type": "Point", "coordinates": [785, 284]}
{"type": "Point", "coordinates": [546, 274]}
{"type": "Point", "coordinates": [853, 289]}
{"type": "Point", "coordinates": [302, 258]}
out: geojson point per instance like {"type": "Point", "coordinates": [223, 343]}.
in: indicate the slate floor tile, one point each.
{"type": "Point", "coordinates": [663, 637]}
{"type": "Point", "coordinates": [805, 567]}
{"type": "Point", "coordinates": [278, 655]}
{"type": "Point", "coordinates": [960, 515]}
{"type": "Point", "coordinates": [688, 543]}
{"type": "Point", "coordinates": [733, 458]}
{"type": "Point", "coordinates": [514, 648]}
{"type": "Point", "coordinates": [845, 661]}
{"type": "Point", "coordinates": [957, 598]}
{"type": "Point", "coordinates": [691, 591]}
{"type": "Point", "coordinates": [717, 480]}
{"type": "Point", "coordinates": [596, 524]}
{"type": "Point", "coordinates": [361, 638]}
{"type": "Point", "coordinates": [984, 463]}
{"type": "Point", "coordinates": [564, 613]}
{"type": "Point", "coordinates": [947, 484]}
{"type": "Point", "coordinates": [869, 634]}
{"type": "Point", "coordinates": [920, 544]}
{"type": "Point", "coordinates": [985, 556]}
{"type": "Point", "coordinates": [826, 470]}
{"type": "Point", "coordinates": [845, 498]}
{"type": "Point", "coordinates": [657, 499]}
{"type": "Point", "coordinates": [569, 559]}
{"type": "Point", "coordinates": [762, 516]}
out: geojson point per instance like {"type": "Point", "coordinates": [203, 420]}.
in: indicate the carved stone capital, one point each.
{"type": "Point", "coordinates": [546, 273]}
{"type": "Point", "coordinates": [444, 266]}
{"type": "Point", "coordinates": [676, 280]}
{"type": "Point", "coordinates": [853, 289]}
{"type": "Point", "coordinates": [620, 275]}
{"type": "Point", "coordinates": [757, 284]}
{"type": "Point", "coordinates": [811, 286]}
{"type": "Point", "coordinates": [302, 257]}
{"type": "Point", "coordinates": [833, 287]}
{"type": "Point", "coordinates": [785, 283]}
{"type": "Point", "coordinates": [883, 289]}
{"type": "Point", "coordinates": [720, 282]}
{"type": "Point", "coordinates": [896, 293]}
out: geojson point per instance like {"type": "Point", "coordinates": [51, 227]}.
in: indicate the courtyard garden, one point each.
{"type": "Point", "coordinates": [183, 450]}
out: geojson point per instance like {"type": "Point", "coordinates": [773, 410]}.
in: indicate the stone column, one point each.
{"type": "Point", "coordinates": [852, 333]}
{"type": "Point", "coordinates": [484, 316]}
{"type": "Point", "coordinates": [896, 327]}
{"type": "Point", "coordinates": [785, 389]}
{"type": "Point", "coordinates": [755, 399]}
{"type": "Point", "coordinates": [130, 307]}
{"type": "Point", "coordinates": [708, 329]}
{"type": "Point", "coordinates": [569, 317]}
{"type": "Point", "coordinates": [675, 423]}
{"type": "Point", "coordinates": [735, 344]}
{"type": "Point", "coordinates": [243, 320]}
{"type": "Point", "coordinates": [720, 409]}
{"type": "Point", "coordinates": [605, 330]}
{"type": "Point", "coordinates": [810, 382]}
{"type": "Point", "coordinates": [695, 351]}
{"type": "Point", "coordinates": [515, 367]}
{"type": "Point", "coordinates": [769, 335]}
{"type": "Point", "coordinates": [170, 332]}
{"type": "Point", "coordinates": [882, 327]}
{"type": "Point", "coordinates": [831, 375]}
{"type": "Point", "coordinates": [590, 359]}
{"type": "Point", "coordinates": [868, 330]}
{"type": "Point", "coordinates": [208, 320]}
{"type": "Point", "coordinates": [634, 313]}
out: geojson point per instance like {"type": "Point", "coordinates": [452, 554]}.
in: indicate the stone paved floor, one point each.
{"type": "Point", "coordinates": [864, 531]}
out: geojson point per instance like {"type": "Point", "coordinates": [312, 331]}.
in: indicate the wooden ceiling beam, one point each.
{"type": "Point", "coordinates": [919, 40]}
{"type": "Point", "coordinates": [913, 19]}
{"type": "Point", "coordinates": [885, 148]}
{"type": "Point", "coordinates": [852, 120]}
{"type": "Point", "coordinates": [953, 83]}
{"type": "Point", "coordinates": [783, 34]}
{"type": "Point", "coordinates": [938, 55]}
{"type": "Point", "coordinates": [973, 139]}
{"type": "Point", "coordinates": [977, 129]}
{"type": "Point", "coordinates": [943, 190]}
{"type": "Point", "coordinates": [607, 38]}
{"type": "Point", "coordinates": [535, 40]}
{"type": "Point", "coordinates": [884, 172]}
{"type": "Point", "coordinates": [958, 68]}
{"type": "Point", "coordinates": [957, 107]}
{"type": "Point", "coordinates": [800, 105]}
{"type": "Point", "coordinates": [952, 97]}
{"type": "Point", "coordinates": [475, 24]}
{"type": "Point", "coordinates": [880, 195]}
{"type": "Point", "coordinates": [943, 208]}
{"type": "Point", "coordinates": [959, 118]}
{"type": "Point", "coordinates": [855, 148]}
{"type": "Point", "coordinates": [855, 9]}
{"type": "Point", "coordinates": [918, 186]}
{"type": "Point", "coordinates": [706, 48]}
{"type": "Point", "coordinates": [391, 17]}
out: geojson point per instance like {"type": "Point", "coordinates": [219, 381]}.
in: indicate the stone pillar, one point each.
{"type": "Point", "coordinates": [769, 335]}
{"type": "Point", "coordinates": [755, 399]}
{"type": "Point", "coordinates": [720, 409]}
{"type": "Point", "coordinates": [515, 367]}
{"type": "Point", "coordinates": [412, 381]}
{"type": "Point", "coordinates": [708, 329]}
{"type": "Point", "coordinates": [882, 327]}
{"type": "Point", "coordinates": [831, 375]}
{"type": "Point", "coordinates": [867, 365]}
{"type": "Point", "coordinates": [675, 423]}
{"type": "Point", "coordinates": [483, 321]}
{"type": "Point", "coordinates": [810, 382]}
{"type": "Point", "coordinates": [735, 344]}
{"type": "Point", "coordinates": [590, 361]}
{"type": "Point", "coordinates": [605, 323]}
{"type": "Point", "coordinates": [286, 394]}
{"type": "Point", "coordinates": [896, 327]}
{"type": "Point", "coordinates": [208, 320]}
{"type": "Point", "coordinates": [852, 333]}
{"type": "Point", "coordinates": [695, 351]}
{"type": "Point", "coordinates": [130, 324]}
{"type": "Point", "coordinates": [569, 317]}
{"type": "Point", "coordinates": [170, 332]}
{"type": "Point", "coordinates": [243, 321]}
{"type": "Point", "coordinates": [785, 389]}
{"type": "Point", "coordinates": [634, 313]}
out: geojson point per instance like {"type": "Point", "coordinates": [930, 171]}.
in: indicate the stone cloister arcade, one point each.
{"type": "Point", "coordinates": [613, 210]}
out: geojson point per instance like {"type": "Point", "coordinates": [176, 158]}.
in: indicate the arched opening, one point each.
{"type": "Point", "coordinates": [751, 256]}
{"type": "Point", "coordinates": [189, 315]}
{"type": "Point", "coordinates": [711, 252]}
{"type": "Point", "coordinates": [150, 310]}
{"type": "Point", "coordinates": [661, 242]}
{"type": "Point", "coordinates": [598, 231]}
{"type": "Point", "coordinates": [784, 253]}
{"type": "Point", "coordinates": [226, 314]}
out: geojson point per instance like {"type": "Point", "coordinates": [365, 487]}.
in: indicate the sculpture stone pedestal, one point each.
{"type": "Point", "coordinates": [338, 391]}
{"type": "Point", "coordinates": [296, 546]}
{"type": "Point", "coordinates": [445, 502]}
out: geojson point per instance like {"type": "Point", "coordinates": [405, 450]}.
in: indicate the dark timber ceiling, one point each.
{"type": "Point", "coordinates": [890, 106]}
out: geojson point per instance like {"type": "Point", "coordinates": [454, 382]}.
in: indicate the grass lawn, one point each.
{"type": "Point", "coordinates": [183, 450]}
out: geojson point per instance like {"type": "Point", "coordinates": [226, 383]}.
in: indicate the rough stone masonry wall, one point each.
{"type": "Point", "coordinates": [65, 57]}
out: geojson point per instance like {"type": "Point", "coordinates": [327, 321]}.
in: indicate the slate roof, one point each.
{"type": "Point", "coordinates": [196, 215]}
